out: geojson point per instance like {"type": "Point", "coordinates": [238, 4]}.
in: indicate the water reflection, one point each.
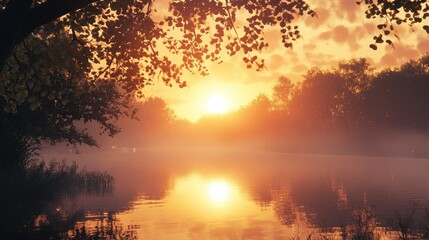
{"type": "Point", "coordinates": [104, 225]}
{"type": "Point", "coordinates": [31, 202]}
{"type": "Point", "coordinates": [261, 196]}
{"type": "Point", "coordinates": [219, 191]}
{"type": "Point", "coordinates": [200, 207]}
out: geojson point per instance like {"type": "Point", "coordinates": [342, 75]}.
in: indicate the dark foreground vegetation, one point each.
{"type": "Point", "coordinates": [30, 196]}
{"type": "Point", "coordinates": [363, 225]}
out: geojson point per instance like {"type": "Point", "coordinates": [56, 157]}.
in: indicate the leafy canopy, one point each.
{"type": "Point", "coordinates": [132, 41]}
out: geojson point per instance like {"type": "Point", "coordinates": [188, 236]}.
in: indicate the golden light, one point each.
{"type": "Point", "coordinates": [217, 104]}
{"type": "Point", "coordinates": [219, 191]}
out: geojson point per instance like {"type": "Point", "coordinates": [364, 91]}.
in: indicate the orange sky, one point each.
{"type": "Point", "coordinates": [340, 32]}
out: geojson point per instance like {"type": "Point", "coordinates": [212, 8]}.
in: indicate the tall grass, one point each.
{"type": "Point", "coordinates": [28, 192]}
{"type": "Point", "coordinates": [69, 179]}
{"type": "Point", "coordinates": [54, 179]}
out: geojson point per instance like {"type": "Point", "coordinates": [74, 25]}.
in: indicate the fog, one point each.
{"type": "Point", "coordinates": [352, 110]}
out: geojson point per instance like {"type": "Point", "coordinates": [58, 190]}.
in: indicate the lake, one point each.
{"type": "Point", "coordinates": [220, 194]}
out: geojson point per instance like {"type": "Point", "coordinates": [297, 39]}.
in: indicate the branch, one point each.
{"type": "Point", "coordinates": [107, 68]}
{"type": "Point", "coordinates": [12, 20]}
{"type": "Point", "coordinates": [48, 12]}
{"type": "Point", "coordinates": [75, 37]}
{"type": "Point", "coordinates": [232, 22]}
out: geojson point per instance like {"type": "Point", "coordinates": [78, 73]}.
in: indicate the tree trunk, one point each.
{"type": "Point", "coordinates": [19, 19]}
{"type": "Point", "coordinates": [11, 23]}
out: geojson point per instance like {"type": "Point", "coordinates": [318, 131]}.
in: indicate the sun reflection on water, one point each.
{"type": "Point", "coordinates": [219, 191]}
{"type": "Point", "coordinates": [207, 207]}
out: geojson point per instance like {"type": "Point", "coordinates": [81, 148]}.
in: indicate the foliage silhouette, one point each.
{"type": "Point", "coordinates": [43, 99]}
{"type": "Point", "coordinates": [118, 24]}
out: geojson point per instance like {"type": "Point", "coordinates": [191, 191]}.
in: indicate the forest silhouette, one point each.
{"type": "Point", "coordinates": [350, 109]}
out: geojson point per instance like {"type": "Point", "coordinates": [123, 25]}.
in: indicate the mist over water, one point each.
{"type": "Point", "coordinates": [212, 193]}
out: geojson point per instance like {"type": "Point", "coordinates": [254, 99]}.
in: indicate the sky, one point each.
{"type": "Point", "coordinates": [339, 32]}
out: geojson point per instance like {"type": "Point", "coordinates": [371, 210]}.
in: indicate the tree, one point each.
{"type": "Point", "coordinates": [256, 115]}
{"type": "Point", "coordinates": [153, 122]}
{"type": "Point", "coordinates": [282, 93]}
{"type": "Point", "coordinates": [45, 96]}
{"type": "Point", "coordinates": [261, 105]}
{"type": "Point", "coordinates": [318, 99]}
{"type": "Point", "coordinates": [155, 112]}
{"type": "Point", "coordinates": [358, 75]}
{"type": "Point", "coordinates": [397, 99]}
{"type": "Point", "coordinates": [117, 47]}
{"type": "Point", "coordinates": [332, 96]}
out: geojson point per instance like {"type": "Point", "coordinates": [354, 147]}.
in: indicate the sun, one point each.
{"type": "Point", "coordinates": [217, 104]}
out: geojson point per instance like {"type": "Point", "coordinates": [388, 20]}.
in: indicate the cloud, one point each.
{"type": "Point", "coordinates": [299, 68]}
{"type": "Point", "coordinates": [322, 16]}
{"type": "Point", "coordinates": [268, 77]}
{"type": "Point", "coordinates": [406, 52]}
{"type": "Point", "coordinates": [309, 46]}
{"type": "Point", "coordinates": [340, 34]}
{"type": "Point", "coordinates": [364, 30]}
{"type": "Point", "coordinates": [318, 59]}
{"type": "Point", "coordinates": [348, 9]}
{"type": "Point", "coordinates": [399, 54]}
{"type": "Point", "coordinates": [423, 45]}
{"type": "Point", "coordinates": [228, 69]}
{"type": "Point", "coordinates": [176, 100]}
{"type": "Point", "coordinates": [325, 35]}
{"type": "Point", "coordinates": [370, 28]}
{"type": "Point", "coordinates": [273, 37]}
{"type": "Point", "coordinates": [275, 62]}
{"type": "Point", "coordinates": [389, 60]}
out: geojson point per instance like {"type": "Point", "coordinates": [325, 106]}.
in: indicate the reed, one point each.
{"type": "Point", "coordinates": [28, 192]}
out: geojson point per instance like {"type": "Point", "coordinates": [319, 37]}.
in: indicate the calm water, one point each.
{"type": "Point", "coordinates": [242, 195]}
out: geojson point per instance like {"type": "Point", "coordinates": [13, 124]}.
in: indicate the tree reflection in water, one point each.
{"type": "Point", "coordinates": [31, 196]}
{"type": "Point", "coordinates": [102, 226]}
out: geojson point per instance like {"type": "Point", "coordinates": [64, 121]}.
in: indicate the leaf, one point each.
{"type": "Point", "coordinates": [34, 106]}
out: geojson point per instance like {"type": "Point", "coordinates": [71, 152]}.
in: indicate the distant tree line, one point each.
{"type": "Point", "coordinates": [352, 108]}
{"type": "Point", "coordinates": [355, 96]}
{"type": "Point", "coordinates": [349, 108]}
